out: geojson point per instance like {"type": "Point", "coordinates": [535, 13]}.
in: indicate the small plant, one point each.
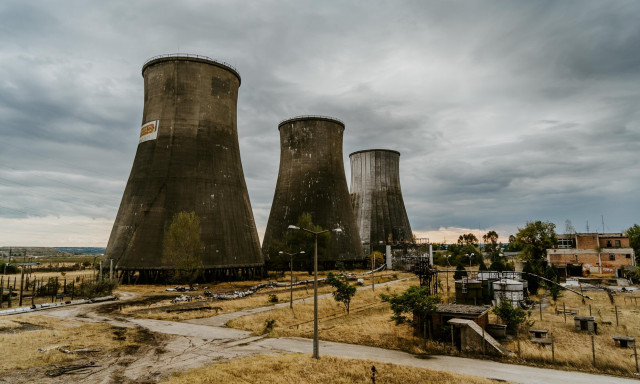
{"type": "Point", "coordinates": [416, 302]}
{"type": "Point", "coordinates": [344, 291]}
{"type": "Point", "coordinates": [273, 298]}
{"type": "Point", "coordinates": [268, 326]}
{"type": "Point", "coordinates": [394, 276]}
{"type": "Point", "coordinates": [509, 314]}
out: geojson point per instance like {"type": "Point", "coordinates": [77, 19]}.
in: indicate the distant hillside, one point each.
{"type": "Point", "coordinates": [82, 250]}
{"type": "Point", "coordinates": [32, 251]}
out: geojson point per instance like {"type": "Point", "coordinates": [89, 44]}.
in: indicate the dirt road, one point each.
{"type": "Point", "coordinates": [177, 346]}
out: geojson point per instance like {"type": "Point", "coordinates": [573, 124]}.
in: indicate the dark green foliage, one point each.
{"type": "Point", "coordinates": [467, 239]}
{"type": "Point", "coordinates": [634, 275]}
{"type": "Point", "coordinates": [96, 288]}
{"type": "Point", "coordinates": [534, 283]}
{"type": "Point", "coordinates": [414, 302]}
{"type": "Point", "coordinates": [344, 291]}
{"type": "Point", "coordinates": [11, 269]}
{"type": "Point", "coordinates": [268, 325]}
{"type": "Point", "coordinates": [554, 289]}
{"type": "Point", "coordinates": [460, 272]}
{"type": "Point", "coordinates": [510, 315]}
{"type": "Point", "coordinates": [482, 266]}
{"type": "Point", "coordinates": [273, 298]}
{"type": "Point", "coordinates": [634, 240]}
{"type": "Point", "coordinates": [535, 238]}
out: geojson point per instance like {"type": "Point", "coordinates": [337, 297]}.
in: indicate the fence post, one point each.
{"type": "Point", "coordinates": [589, 309]}
{"type": "Point", "coordinates": [540, 305]}
{"type": "Point", "coordinates": [518, 338]}
{"type": "Point", "coordinates": [21, 286]}
{"type": "Point", "coordinates": [1, 291]}
{"type": "Point", "coordinates": [553, 351]}
{"type": "Point", "coordinates": [564, 311]}
{"type": "Point", "coordinates": [616, 309]}
{"type": "Point", "coordinates": [635, 353]}
{"type": "Point", "coordinates": [593, 350]}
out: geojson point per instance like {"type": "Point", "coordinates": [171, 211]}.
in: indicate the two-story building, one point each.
{"type": "Point", "coordinates": [583, 253]}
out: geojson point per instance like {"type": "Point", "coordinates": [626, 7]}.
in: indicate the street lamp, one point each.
{"type": "Point", "coordinates": [470, 256]}
{"type": "Point", "coordinates": [316, 354]}
{"type": "Point", "coordinates": [291, 267]}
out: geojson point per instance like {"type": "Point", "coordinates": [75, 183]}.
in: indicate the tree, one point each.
{"type": "Point", "coordinates": [510, 315]}
{"type": "Point", "coordinates": [535, 238]}
{"type": "Point", "coordinates": [569, 229]}
{"type": "Point", "coordinates": [416, 302]}
{"type": "Point", "coordinates": [554, 289]}
{"type": "Point", "coordinates": [482, 266]}
{"type": "Point", "coordinates": [182, 247]}
{"type": "Point", "coordinates": [490, 240]}
{"type": "Point", "coordinates": [634, 239]}
{"type": "Point", "coordinates": [467, 238]}
{"type": "Point", "coordinates": [344, 291]}
{"type": "Point", "coordinates": [529, 269]}
{"type": "Point", "coordinates": [460, 272]}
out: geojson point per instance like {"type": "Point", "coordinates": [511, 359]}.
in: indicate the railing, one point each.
{"type": "Point", "coordinates": [312, 117]}
{"type": "Point", "coordinates": [189, 55]}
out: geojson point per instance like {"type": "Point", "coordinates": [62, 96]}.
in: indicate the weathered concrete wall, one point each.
{"type": "Point", "coordinates": [192, 165]}
{"type": "Point", "coordinates": [376, 198]}
{"type": "Point", "coordinates": [311, 180]}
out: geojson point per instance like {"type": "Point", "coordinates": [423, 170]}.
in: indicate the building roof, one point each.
{"type": "Point", "coordinates": [462, 309]}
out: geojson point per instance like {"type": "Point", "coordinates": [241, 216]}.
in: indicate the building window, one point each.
{"type": "Point", "coordinates": [617, 243]}
{"type": "Point", "coordinates": [608, 243]}
{"type": "Point", "coordinates": [628, 255]}
{"type": "Point", "coordinates": [612, 256]}
{"type": "Point", "coordinates": [565, 243]}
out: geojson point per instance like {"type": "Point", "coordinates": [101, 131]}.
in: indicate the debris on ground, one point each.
{"type": "Point", "coordinates": [70, 369]}
{"type": "Point", "coordinates": [181, 298]}
{"type": "Point", "coordinates": [180, 289]}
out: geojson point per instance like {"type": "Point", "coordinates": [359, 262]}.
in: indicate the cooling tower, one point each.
{"type": "Point", "coordinates": [376, 198]}
{"type": "Point", "coordinates": [311, 180]}
{"type": "Point", "coordinates": [188, 159]}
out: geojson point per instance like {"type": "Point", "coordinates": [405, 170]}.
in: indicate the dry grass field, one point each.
{"type": "Point", "coordinates": [36, 341]}
{"type": "Point", "coordinates": [573, 348]}
{"type": "Point", "coordinates": [154, 301]}
{"type": "Point", "coordinates": [368, 323]}
{"type": "Point", "coordinates": [300, 369]}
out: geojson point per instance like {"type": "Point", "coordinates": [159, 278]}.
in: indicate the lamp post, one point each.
{"type": "Point", "coordinates": [291, 267]}
{"type": "Point", "coordinates": [316, 354]}
{"type": "Point", "coordinates": [470, 256]}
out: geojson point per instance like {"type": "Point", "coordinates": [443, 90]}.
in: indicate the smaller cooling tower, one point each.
{"type": "Point", "coordinates": [311, 180]}
{"type": "Point", "coordinates": [376, 198]}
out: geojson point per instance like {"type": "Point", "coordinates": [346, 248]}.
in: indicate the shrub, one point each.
{"type": "Point", "coordinates": [344, 291]}
{"type": "Point", "coordinates": [509, 314]}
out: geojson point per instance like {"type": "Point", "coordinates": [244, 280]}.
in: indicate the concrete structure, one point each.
{"type": "Point", "coordinates": [624, 341]}
{"type": "Point", "coordinates": [476, 313]}
{"type": "Point", "coordinates": [188, 159]}
{"type": "Point", "coordinates": [311, 180]}
{"type": "Point", "coordinates": [376, 198]}
{"type": "Point", "coordinates": [585, 323]}
{"type": "Point", "coordinates": [585, 253]}
{"type": "Point", "coordinates": [507, 289]}
{"type": "Point", "coordinates": [468, 336]}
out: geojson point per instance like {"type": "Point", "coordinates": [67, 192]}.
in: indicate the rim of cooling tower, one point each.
{"type": "Point", "coordinates": [374, 150]}
{"type": "Point", "coordinates": [190, 57]}
{"type": "Point", "coordinates": [311, 117]}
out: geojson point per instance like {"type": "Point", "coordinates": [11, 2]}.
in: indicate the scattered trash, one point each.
{"type": "Point", "coordinates": [180, 289]}
{"type": "Point", "coordinates": [182, 298]}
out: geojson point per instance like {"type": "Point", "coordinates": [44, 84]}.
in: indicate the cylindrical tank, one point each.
{"type": "Point", "coordinates": [188, 159]}
{"type": "Point", "coordinates": [376, 198]}
{"type": "Point", "coordinates": [311, 180]}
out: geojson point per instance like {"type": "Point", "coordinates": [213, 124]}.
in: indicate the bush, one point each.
{"type": "Point", "coordinates": [416, 302]}
{"type": "Point", "coordinates": [96, 288]}
{"type": "Point", "coordinates": [460, 272]}
{"type": "Point", "coordinates": [510, 315]}
{"type": "Point", "coordinates": [273, 298]}
{"type": "Point", "coordinates": [11, 269]}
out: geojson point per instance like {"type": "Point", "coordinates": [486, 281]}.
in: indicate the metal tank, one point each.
{"type": "Point", "coordinates": [376, 198]}
{"type": "Point", "coordinates": [311, 179]}
{"type": "Point", "coordinates": [188, 159]}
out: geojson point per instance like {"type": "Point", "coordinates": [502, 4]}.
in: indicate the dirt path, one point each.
{"type": "Point", "coordinates": [177, 346]}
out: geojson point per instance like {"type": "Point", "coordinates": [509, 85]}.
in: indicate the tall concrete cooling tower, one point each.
{"type": "Point", "coordinates": [376, 198]}
{"type": "Point", "coordinates": [188, 159]}
{"type": "Point", "coordinates": [311, 180]}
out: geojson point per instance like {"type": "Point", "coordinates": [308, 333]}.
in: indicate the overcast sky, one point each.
{"type": "Point", "coordinates": [503, 111]}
